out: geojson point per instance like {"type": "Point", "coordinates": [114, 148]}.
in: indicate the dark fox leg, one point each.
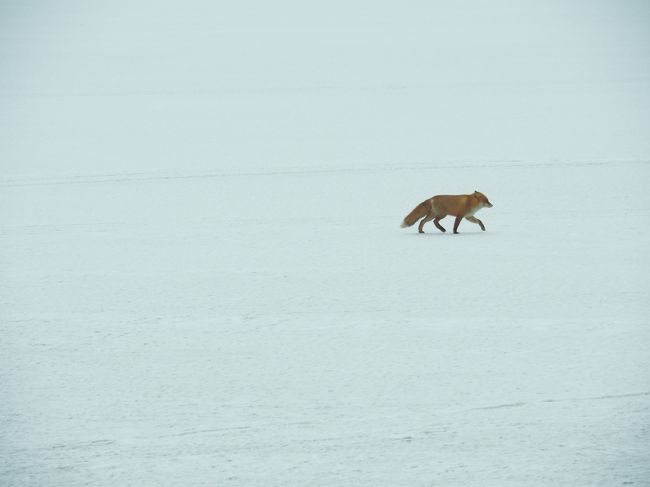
{"type": "Point", "coordinates": [457, 222]}
{"type": "Point", "coordinates": [427, 218]}
{"type": "Point", "coordinates": [436, 222]}
{"type": "Point", "coordinates": [473, 219]}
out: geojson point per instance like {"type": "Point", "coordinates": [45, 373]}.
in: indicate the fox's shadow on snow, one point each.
{"type": "Point", "coordinates": [446, 234]}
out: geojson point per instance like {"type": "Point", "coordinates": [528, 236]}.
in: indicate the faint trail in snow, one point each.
{"type": "Point", "coordinates": [572, 399]}
{"type": "Point", "coordinates": [141, 177]}
{"type": "Point", "coordinates": [207, 431]}
{"type": "Point", "coordinates": [228, 429]}
{"type": "Point", "coordinates": [501, 406]}
{"type": "Point", "coordinates": [314, 88]}
{"type": "Point", "coordinates": [597, 398]}
{"type": "Point", "coordinates": [81, 445]}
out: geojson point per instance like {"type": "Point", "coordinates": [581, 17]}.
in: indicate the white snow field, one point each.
{"type": "Point", "coordinates": [203, 279]}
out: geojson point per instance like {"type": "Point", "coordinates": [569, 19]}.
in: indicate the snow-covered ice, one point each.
{"type": "Point", "coordinates": [281, 329]}
{"type": "Point", "coordinates": [203, 277]}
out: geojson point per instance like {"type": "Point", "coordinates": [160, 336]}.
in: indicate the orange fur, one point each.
{"type": "Point", "coordinates": [436, 208]}
{"type": "Point", "coordinates": [418, 212]}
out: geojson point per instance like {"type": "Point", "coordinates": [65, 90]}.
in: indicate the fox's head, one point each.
{"type": "Point", "coordinates": [483, 199]}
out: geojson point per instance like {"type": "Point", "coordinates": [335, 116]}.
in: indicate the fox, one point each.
{"type": "Point", "coordinates": [458, 205]}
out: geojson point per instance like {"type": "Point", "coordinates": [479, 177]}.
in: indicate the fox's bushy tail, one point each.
{"type": "Point", "coordinates": [418, 212]}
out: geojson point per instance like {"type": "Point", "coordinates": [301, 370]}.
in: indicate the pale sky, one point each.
{"type": "Point", "coordinates": [95, 87]}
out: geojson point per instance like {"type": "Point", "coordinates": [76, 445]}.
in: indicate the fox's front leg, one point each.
{"type": "Point", "coordinates": [457, 222]}
{"type": "Point", "coordinates": [473, 219]}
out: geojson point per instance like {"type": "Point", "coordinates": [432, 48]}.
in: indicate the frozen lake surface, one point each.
{"type": "Point", "coordinates": [280, 329]}
{"type": "Point", "coordinates": [203, 277]}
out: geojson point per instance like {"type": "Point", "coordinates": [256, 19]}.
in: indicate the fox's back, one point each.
{"type": "Point", "coordinates": [453, 204]}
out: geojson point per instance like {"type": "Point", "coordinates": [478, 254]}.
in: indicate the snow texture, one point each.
{"type": "Point", "coordinates": [203, 277]}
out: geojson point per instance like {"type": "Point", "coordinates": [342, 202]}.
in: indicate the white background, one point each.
{"type": "Point", "coordinates": [203, 277]}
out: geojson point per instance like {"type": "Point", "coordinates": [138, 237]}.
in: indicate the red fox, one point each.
{"type": "Point", "coordinates": [436, 208]}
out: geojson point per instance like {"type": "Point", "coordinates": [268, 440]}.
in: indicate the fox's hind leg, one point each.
{"type": "Point", "coordinates": [473, 219]}
{"type": "Point", "coordinates": [436, 222]}
{"type": "Point", "coordinates": [427, 218]}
